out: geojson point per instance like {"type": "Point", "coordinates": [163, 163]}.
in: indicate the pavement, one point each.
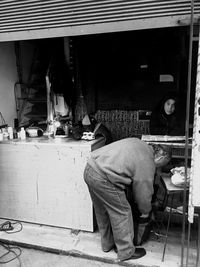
{"type": "Point", "coordinates": [86, 245]}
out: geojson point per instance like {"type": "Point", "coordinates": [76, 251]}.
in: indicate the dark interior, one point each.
{"type": "Point", "coordinates": [123, 69]}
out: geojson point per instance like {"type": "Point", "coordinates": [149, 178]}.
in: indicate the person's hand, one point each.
{"type": "Point", "coordinates": [144, 218]}
{"type": "Point", "coordinates": [144, 215]}
{"type": "Point", "coordinates": [143, 229]}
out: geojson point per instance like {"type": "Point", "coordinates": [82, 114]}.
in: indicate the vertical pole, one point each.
{"type": "Point", "coordinates": [187, 128]}
{"type": "Point", "coordinates": [194, 199]}
{"type": "Point", "coordinates": [198, 240]}
{"type": "Point", "coordinates": [49, 109]}
{"type": "Point", "coordinates": [188, 244]}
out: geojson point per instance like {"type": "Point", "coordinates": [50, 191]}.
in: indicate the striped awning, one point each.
{"type": "Point", "coordinates": [32, 19]}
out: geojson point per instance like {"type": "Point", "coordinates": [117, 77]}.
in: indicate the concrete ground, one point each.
{"type": "Point", "coordinates": [37, 258]}
{"type": "Point", "coordinates": [46, 246]}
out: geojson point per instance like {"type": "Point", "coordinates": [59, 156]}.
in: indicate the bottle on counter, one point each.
{"type": "Point", "coordinates": [15, 135]}
{"type": "Point", "coordinates": [10, 133]}
{"type": "Point", "coordinates": [66, 129]}
{"type": "Point", "coordinates": [1, 135]}
{"type": "Point", "coordinates": [22, 134]}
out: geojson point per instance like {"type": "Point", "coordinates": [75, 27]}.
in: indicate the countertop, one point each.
{"type": "Point", "coordinates": [52, 141]}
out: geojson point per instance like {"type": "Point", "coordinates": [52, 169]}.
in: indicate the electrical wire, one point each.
{"type": "Point", "coordinates": [9, 228]}
{"type": "Point", "coordinates": [15, 231]}
{"type": "Point", "coordinates": [10, 249]}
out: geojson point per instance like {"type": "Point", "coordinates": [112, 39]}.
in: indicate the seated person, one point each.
{"type": "Point", "coordinates": [164, 119]}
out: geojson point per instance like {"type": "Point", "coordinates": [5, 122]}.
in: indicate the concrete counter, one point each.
{"type": "Point", "coordinates": [42, 181]}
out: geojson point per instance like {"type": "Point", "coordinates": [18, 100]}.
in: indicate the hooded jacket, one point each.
{"type": "Point", "coordinates": [164, 124]}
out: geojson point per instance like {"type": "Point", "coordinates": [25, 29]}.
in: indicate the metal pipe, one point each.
{"type": "Point", "coordinates": [187, 128]}
{"type": "Point", "coordinates": [188, 244]}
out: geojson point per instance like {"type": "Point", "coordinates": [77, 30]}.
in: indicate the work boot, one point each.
{"type": "Point", "coordinates": [139, 253]}
{"type": "Point", "coordinates": [112, 248]}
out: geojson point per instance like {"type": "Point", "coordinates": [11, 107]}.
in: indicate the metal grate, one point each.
{"type": "Point", "coordinates": [30, 15]}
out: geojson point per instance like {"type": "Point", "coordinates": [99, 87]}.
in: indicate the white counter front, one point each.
{"type": "Point", "coordinates": [42, 182]}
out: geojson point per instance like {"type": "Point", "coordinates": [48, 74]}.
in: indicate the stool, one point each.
{"type": "Point", "coordinates": [173, 190]}
{"type": "Point", "coordinates": [170, 190]}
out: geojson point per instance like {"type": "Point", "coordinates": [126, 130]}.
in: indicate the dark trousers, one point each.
{"type": "Point", "coordinates": [113, 213]}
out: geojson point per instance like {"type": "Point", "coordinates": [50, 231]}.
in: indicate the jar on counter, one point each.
{"type": "Point", "coordinates": [5, 133]}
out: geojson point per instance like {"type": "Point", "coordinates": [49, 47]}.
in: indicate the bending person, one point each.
{"type": "Point", "coordinates": [112, 168]}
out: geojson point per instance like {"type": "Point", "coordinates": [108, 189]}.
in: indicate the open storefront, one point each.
{"type": "Point", "coordinates": [114, 59]}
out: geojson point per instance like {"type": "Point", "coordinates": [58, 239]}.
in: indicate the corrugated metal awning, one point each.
{"type": "Point", "coordinates": [53, 18]}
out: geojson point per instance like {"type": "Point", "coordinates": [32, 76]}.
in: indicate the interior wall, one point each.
{"type": "Point", "coordinates": [8, 77]}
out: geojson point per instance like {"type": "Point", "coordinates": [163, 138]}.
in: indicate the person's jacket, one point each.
{"type": "Point", "coordinates": [163, 124]}
{"type": "Point", "coordinates": [126, 162]}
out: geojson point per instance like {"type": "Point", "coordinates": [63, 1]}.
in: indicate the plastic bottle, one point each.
{"type": "Point", "coordinates": [10, 132]}
{"type": "Point", "coordinates": [66, 129]}
{"type": "Point", "coordinates": [15, 135]}
{"type": "Point", "coordinates": [1, 135]}
{"type": "Point", "coordinates": [22, 134]}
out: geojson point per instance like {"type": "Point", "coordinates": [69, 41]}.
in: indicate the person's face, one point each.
{"type": "Point", "coordinates": [169, 106]}
{"type": "Point", "coordinates": [161, 158]}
